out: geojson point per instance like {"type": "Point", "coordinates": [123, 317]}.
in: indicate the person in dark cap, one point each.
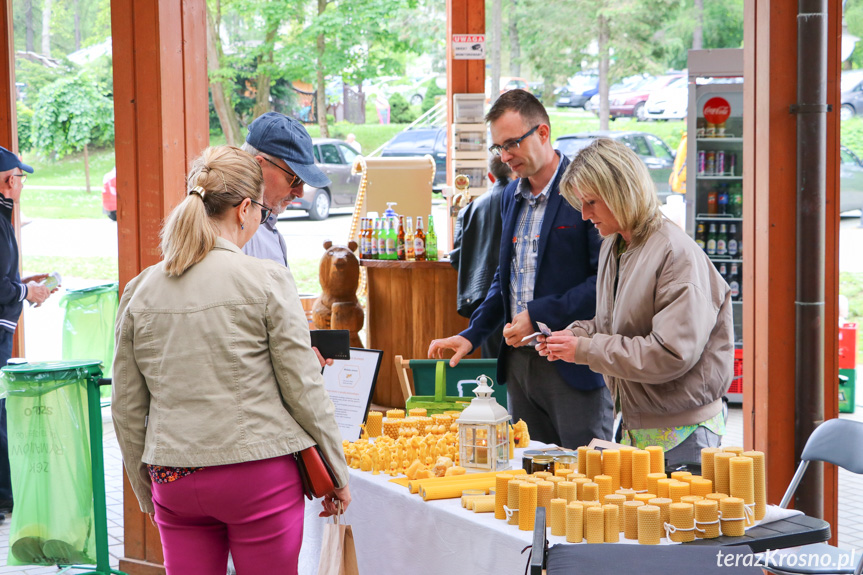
{"type": "Point", "coordinates": [283, 149]}
{"type": "Point", "coordinates": [13, 291]}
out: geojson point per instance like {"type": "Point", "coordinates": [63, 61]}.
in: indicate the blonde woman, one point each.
{"type": "Point", "coordinates": [663, 332]}
{"type": "Point", "coordinates": [215, 385]}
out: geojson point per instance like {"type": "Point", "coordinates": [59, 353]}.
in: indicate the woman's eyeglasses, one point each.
{"type": "Point", "coordinates": [265, 211]}
{"type": "Point", "coordinates": [293, 179]}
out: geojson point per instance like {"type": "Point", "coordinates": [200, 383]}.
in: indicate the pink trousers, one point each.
{"type": "Point", "coordinates": [254, 509]}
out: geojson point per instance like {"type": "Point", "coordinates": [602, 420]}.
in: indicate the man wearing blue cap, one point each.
{"type": "Point", "coordinates": [283, 148]}
{"type": "Point", "coordinates": [13, 291]}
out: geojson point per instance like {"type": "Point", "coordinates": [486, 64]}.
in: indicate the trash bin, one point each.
{"type": "Point", "coordinates": [50, 455]}
{"type": "Point", "coordinates": [847, 385]}
{"type": "Point", "coordinates": [88, 325]}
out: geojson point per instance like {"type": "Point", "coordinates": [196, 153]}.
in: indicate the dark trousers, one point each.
{"type": "Point", "coordinates": [6, 339]}
{"type": "Point", "coordinates": [555, 412]}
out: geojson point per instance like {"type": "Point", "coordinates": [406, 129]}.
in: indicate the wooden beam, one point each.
{"type": "Point", "coordinates": [161, 125]}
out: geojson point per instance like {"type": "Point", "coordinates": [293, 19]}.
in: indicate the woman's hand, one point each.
{"type": "Point", "coordinates": [332, 500]}
{"type": "Point", "coordinates": [559, 345]}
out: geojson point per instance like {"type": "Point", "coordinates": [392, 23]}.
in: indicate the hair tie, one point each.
{"type": "Point", "coordinates": [198, 191]}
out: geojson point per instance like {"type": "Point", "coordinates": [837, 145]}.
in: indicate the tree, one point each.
{"type": "Point", "coordinates": [514, 40]}
{"type": "Point", "coordinates": [46, 27]}
{"type": "Point", "coordinates": [73, 114]}
{"type": "Point", "coordinates": [496, 31]}
{"type": "Point", "coordinates": [219, 80]}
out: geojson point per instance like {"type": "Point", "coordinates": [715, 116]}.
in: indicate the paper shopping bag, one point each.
{"type": "Point", "coordinates": [338, 556]}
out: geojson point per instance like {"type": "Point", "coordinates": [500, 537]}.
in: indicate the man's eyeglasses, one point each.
{"type": "Point", "coordinates": [293, 179]}
{"type": "Point", "coordinates": [507, 146]}
{"type": "Point", "coordinates": [265, 211]}
{"type": "Point", "coordinates": [22, 176]}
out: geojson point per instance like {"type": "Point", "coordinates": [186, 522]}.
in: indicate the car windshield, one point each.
{"type": "Point", "coordinates": [850, 79]}
{"type": "Point", "coordinates": [656, 83]}
{"type": "Point", "coordinates": [569, 146]}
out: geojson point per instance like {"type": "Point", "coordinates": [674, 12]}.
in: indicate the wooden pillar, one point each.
{"type": "Point", "coordinates": [161, 125]}
{"type": "Point", "coordinates": [9, 130]}
{"type": "Point", "coordinates": [770, 203]}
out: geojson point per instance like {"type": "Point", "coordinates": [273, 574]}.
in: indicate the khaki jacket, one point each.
{"type": "Point", "coordinates": [215, 367]}
{"type": "Point", "coordinates": [665, 345]}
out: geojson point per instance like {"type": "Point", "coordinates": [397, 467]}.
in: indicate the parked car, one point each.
{"type": "Point", "coordinates": [632, 102]}
{"type": "Point", "coordinates": [578, 91]}
{"type": "Point", "coordinates": [507, 83]}
{"type": "Point", "coordinates": [334, 157]}
{"type": "Point", "coordinates": [655, 153]}
{"type": "Point", "coordinates": [419, 142]}
{"type": "Point", "coordinates": [850, 180]}
{"type": "Point", "coordinates": [670, 102]}
{"type": "Point", "coordinates": [851, 87]}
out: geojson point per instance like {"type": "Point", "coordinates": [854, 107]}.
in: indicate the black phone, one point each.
{"type": "Point", "coordinates": [332, 343]}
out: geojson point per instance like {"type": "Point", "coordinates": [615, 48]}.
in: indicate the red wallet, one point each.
{"type": "Point", "coordinates": [317, 475]}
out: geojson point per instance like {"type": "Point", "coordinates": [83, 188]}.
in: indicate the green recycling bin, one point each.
{"type": "Point", "coordinates": [50, 457]}
{"type": "Point", "coordinates": [88, 325]}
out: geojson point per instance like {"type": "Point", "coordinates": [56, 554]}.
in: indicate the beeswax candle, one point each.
{"type": "Point", "coordinates": [630, 519]}
{"type": "Point", "coordinates": [594, 525]}
{"type": "Point", "coordinates": [619, 500]}
{"type": "Point", "coordinates": [572, 476]}
{"type": "Point", "coordinates": [590, 492]}
{"type": "Point", "coordinates": [679, 475]}
{"type": "Point", "coordinates": [414, 486]}
{"type": "Point", "coordinates": [574, 522]}
{"type": "Point", "coordinates": [579, 487]}
{"type": "Point", "coordinates": [526, 506]}
{"type": "Point", "coordinates": [649, 528]}
{"type": "Point", "coordinates": [557, 517]}
{"type": "Point", "coordinates": [662, 486]}
{"type": "Point", "coordinates": [453, 490]}
{"type": "Point", "coordinates": [640, 469]}
{"type": "Point", "coordinates": [604, 483]}
{"type": "Point", "coordinates": [611, 522]}
{"type": "Point", "coordinates": [611, 467]}
{"type": "Point", "coordinates": [759, 477]}
{"type": "Point", "coordinates": [626, 467]}
{"type": "Point", "coordinates": [733, 449]}
{"type": "Point", "coordinates": [716, 496]}
{"type": "Point", "coordinates": [657, 458]}
{"type": "Point", "coordinates": [544, 494]}
{"type": "Point", "coordinates": [628, 493]}
{"type": "Point", "coordinates": [513, 500]}
{"type": "Point", "coordinates": [732, 520]}
{"type": "Point", "coordinates": [700, 487]}
{"type": "Point", "coordinates": [500, 495]}
{"type": "Point", "coordinates": [418, 412]}
{"type": "Point", "coordinates": [706, 519]}
{"type": "Point", "coordinates": [677, 490]}
{"type": "Point", "coordinates": [663, 503]}
{"type": "Point", "coordinates": [556, 481]}
{"type": "Point", "coordinates": [644, 497]}
{"type": "Point", "coordinates": [682, 517]}
{"type": "Point", "coordinates": [707, 454]}
{"type": "Point", "coordinates": [483, 506]}
{"type": "Point", "coordinates": [691, 498]}
{"type": "Point", "coordinates": [563, 473]}
{"type": "Point", "coordinates": [594, 463]}
{"type": "Point", "coordinates": [582, 459]}
{"type": "Point", "coordinates": [741, 484]}
{"type": "Point", "coordinates": [566, 490]}
{"type": "Point", "coordinates": [374, 423]}
{"type": "Point", "coordinates": [652, 479]}
{"type": "Point", "coordinates": [542, 474]}
{"type": "Point", "coordinates": [395, 414]}
{"type": "Point", "coordinates": [721, 468]}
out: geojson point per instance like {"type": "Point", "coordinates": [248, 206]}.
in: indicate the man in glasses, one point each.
{"type": "Point", "coordinates": [14, 290]}
{"type": "Point", "coordinates": [283, 148]}
{"type": "Point", "coordinates": [547, 274]}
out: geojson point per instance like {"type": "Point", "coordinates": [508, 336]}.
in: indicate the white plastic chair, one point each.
{"type": "Point", "coordinates": [836, 441]}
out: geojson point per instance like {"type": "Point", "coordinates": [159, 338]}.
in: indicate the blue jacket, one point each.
{"type": "Point", "coordinates": [565, 288]}
{"type": "Point", "coordinates": [12, 291]}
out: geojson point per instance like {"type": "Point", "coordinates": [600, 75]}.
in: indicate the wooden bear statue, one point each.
{"type": "Point", "coordinates": [337, 307]}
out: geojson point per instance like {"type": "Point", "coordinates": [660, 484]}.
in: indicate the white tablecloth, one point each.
{"type": "Point", "coordinates": [397, 532]}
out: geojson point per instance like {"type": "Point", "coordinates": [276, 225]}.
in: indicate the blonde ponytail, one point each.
{"type": "Point", "coordinates": [222, 177]}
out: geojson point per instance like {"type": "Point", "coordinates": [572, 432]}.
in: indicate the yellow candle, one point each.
{"type": "Point", "coordinates": [732, 519]}
{"type": "Point", "coordinates": [374, 423]}
{"type": "Point", "coordinates": [652, 479]}
{"type": "Point", "coordinates": [644, 497]}
{"type": "Point", "coordinates": [604, 483]}
{"type": "Point", "coordinates": [544, 493]}
{"type": "Point", "coordinates": [626, 467]}
{"type": "Point", "coordinates": [707, 454]}
{"type": "Point", "coordinates": [716, 496]}
{"type": "Point", "coordinates": [418, 412]}
{"type": "Point", "coordinates": [700, 487]}
{"type": "Point", "coordinates": [566, 490]}
{"type": "Point", "coordinates": [563, 473]}
{"type": "Point", "coordinates": [513, 499]}
{"type": "Point", "coordinates": [594, 524]}
{"type": "Point", "coordinates": [582, 459]}
{"type": "Point", "coordinates": [691, 498]}
{"type": "Point", "coordinates": [483, 506]}
{"type": "Point", "coordinates": [594, 463]}
{"type": "Point", "coordinates": [619, 500]}
{"type": "Point", "coordinates": [721, 467]}
{"type": "Point", "coordinates": [640, 469]}
{"type": "Point", "coordinates": [682, 517]}
{"type": "Point", "coordinates": [630, 519]}
{"type": "Point", "coordinates": [500, 495]}
{"type": "Point", "coordinates": [733, 449]}
{"type": "Point", "coordinates": [706, 516]}
{"type": "Point", "coordinates": [662, 486]}
{"type": "Point", "coordinates": [526, 506]}
{"type": "Point", "coordinates": [557, 517]}
{"type": "Point", "coordinates": [453, 490]}
{"type": "Point", "coordinates": [579, 483]}
{"type": "Point", "coordinates": [611, 467]}
{"type": "Point", "coordinates": [542, 474]}
{"type": "Point", "coordinates": [759, 476]}
{"type": "Point", "coordinates": [556, 480]}
{"type": "Point", "coordinates": [572, 476]}
{"type": "Point", "coordinates": [677, 490]}
{"type": "Point", "coordinates": [611, 522]}
{"type": "Point", "coordinates": [680, 475]}
{"type": "Point", "coordinates": [574, 522]}
{"type": "Point", "coordinates": [649, 529]}
{"type": "Point", "coordinates": [742, 483]}
{"type": "Point", "coordinates": [628, 493]}
{"type": "Point", "coordinates": [395, 414]}
{"type": "Point", "coordinates": [657, 458]}
{"type": "Point", "coordinates": [591, 492]}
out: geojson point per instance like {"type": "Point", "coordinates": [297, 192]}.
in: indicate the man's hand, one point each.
{"type": "Point", "coordinates": [321, 358]}
{"type": "Point", "coordinates": [516, 331]}
{"type": "Point", "coordinates": [36, 294]}
{"type": "Point", "coordinates": [38, 278]}
{"type": "Point", "coordinates": [459, 344]}
{"type": "Point", "coordinates": [559, 345]}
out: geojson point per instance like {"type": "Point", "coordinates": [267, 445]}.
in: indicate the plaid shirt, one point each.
{"type": "Point", "coordinates": [526, 243]}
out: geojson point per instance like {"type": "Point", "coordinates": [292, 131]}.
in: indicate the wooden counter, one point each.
{"type": "Point", "coordinates": [409, 304]}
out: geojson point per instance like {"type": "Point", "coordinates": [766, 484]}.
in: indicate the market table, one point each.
{"type": "Point", "coordinates": [396, 531]}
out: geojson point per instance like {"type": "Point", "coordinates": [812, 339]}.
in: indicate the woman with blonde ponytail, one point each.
{"type": "Point", "coordinates": [216, 386]}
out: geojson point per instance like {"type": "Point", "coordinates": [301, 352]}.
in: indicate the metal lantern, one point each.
{"type": "Point", "coordinates": [483, 431]}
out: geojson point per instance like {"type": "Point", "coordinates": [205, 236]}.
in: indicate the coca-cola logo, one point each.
{"type": "Point", "coordinates": [717, 110]}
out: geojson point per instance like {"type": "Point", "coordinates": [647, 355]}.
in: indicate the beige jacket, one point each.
{"type": "Point", "coordinates": [666, 344]}
{"type": "Point", "coordinates": [215, 367]}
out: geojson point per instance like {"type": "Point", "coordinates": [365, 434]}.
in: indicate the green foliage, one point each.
{"type": "Point", "coordinates": [400, 110]}
{"type": "Point", "coordinates": [36, 76]}
{"type": "Point", "coordinates": [73, 113]}
{"type": "Point", "coordinates": [25, 123]}
{"type": "Point", "coordinates": [431, 95]}
{"type": "Point", "coordinates": [851, 286]}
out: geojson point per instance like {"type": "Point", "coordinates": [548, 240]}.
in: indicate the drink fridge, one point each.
{"type": "Point", "coordinates": [714, 174]}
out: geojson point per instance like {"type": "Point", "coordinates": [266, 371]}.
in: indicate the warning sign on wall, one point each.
{"type": "Point", "coordinates": [468, 46]}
